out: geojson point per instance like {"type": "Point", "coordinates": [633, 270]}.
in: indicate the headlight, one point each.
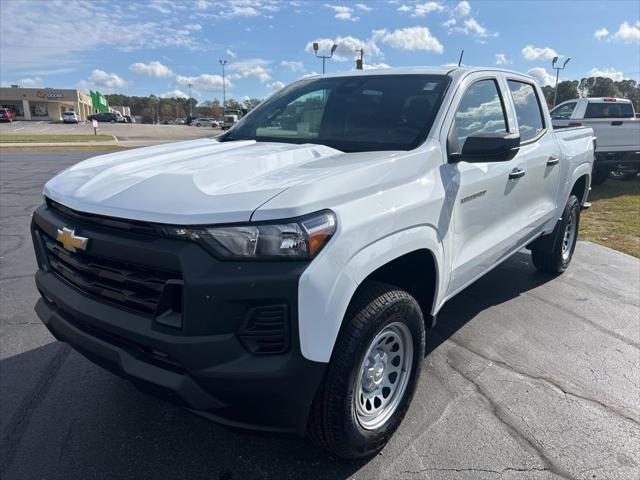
{"type": "Point", "coordinates": [301, 239]}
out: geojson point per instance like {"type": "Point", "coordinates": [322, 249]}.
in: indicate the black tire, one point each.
{"type": "Point", "coordinates": [556, 259]}
{"type": "Point", "coordinates": [333, 422]}
{"type": "Point", "coordinates": [599, 176]}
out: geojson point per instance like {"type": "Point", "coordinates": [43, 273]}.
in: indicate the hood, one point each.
{"type": "Point", "coordinates": [186, 183]}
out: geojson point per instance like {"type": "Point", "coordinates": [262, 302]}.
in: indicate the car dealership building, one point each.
{"type": "Point", "coordinates": [45, 103]}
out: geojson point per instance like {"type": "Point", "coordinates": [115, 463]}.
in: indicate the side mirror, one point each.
{"type": "Point", "coordinates": [488, 147]}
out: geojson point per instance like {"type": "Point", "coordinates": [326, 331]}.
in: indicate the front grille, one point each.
{"type": "Point", "coordinates": [265, 329]}
{"type": "Point", "coordinates": [125, 284]}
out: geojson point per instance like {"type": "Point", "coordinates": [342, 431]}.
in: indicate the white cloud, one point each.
{"type": "Point", "coordinates": [375, 66]}
{"type": "Point", "coordinates": [463, 8]}
{"type": "Point", "coordinates": [101, 80]}
{"type": "Point", "coordinates": [347, 47]}
{"type": "Point", "coordinates": [472, 27]}
{"type": "Point", "coordinates": [203, 82]}
{"type": "Point", "coordinates": [535, 53]}
{"type": "Point", "coordinates": [252, 68]}
{"type": "Point", "coordinates": [342, 12]}
{"type": "Point", "coordinates": [501, 59]}
{"type": "Point", "coordinates": [449, 23]}
{"type": "Point", "coordinates": [541, 76]}
{"type": "Point", "coordinates": [363, 7]}
{"type": "Point", "coordinates": [600, 34]}
{"type": "Point", "coordinates": [628, 33]}
{"type": "Point", "coordinates": [611, 73]}
{"type": "Point", "coordinates": [96, 26]}
{"type": "Point", "coordinates": [291, 65]}
{"type": "Point", "coordinates": [30, 82]}
{"type": "Point", "coordinates": [276, 85]}
{"type": "Point", "coordinates": [410, 39]}
{"type": "Point", "coordinates": [237, 10]}
{"type": "Point", "coordinates": [174, 94]}
{"type": "Point", "coordinates": [421, 9]}
{"type": "Point", "coordinates": [151, 69]}
{"type": "Point", "coordinates": [231, 53]}
{"type": "Point", "coordinates": [310, 74]}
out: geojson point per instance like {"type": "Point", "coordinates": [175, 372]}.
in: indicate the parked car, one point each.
{"type": "Point", "coordinates": [105, 117]}
{"type": "Point", "coordinates": [229, 121]}
{"type": "Point", "coordinates": [288, 281]}
{"type": "Point", "coordinates": [617, 130]}
{"type": "Point", "coordinates": [129, 119]}
{"type": "Point", "coordinates": [70, 117]}
{"type": "Point", "coordinates": [179, 121]}
{"type": "Point", "coordinates": [203, 122]}
{"type": "Point", "coordinates": [7, 115]}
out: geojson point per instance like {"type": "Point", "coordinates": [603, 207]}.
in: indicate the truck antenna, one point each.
{"type": "Point", "coordinates": [460, 61]}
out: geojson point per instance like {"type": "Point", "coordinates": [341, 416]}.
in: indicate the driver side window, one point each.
{"type": "Point", "coordinates": [480, 111]}
{"type": "Point", "coordinates": [299, 119]}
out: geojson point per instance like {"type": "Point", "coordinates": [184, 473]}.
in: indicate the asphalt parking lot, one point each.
{"type": "Point", "coordinates": [127, 134]}
{"type": "Point", "coordinates": [527, 377]}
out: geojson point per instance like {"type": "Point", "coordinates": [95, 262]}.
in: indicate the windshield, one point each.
{"type": "Point", "coordinates": [352, 114]}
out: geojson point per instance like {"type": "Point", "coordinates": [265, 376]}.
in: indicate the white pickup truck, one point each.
{"type": "Point", "coordinates": [282, 277]}
{"type": "Point", "coordinates": [616, 128]}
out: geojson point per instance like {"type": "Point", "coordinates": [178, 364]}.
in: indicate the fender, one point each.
{"type": "Point", "coordinates": [325, 289]}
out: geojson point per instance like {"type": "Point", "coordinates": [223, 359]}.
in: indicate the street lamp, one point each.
{"type": "Point", "coordinates": [324, 57]}
{"type": "Point", "coordinates": [190, 103]}
{"type": "Point", "coordinates": [557, 69]}
{"type": "Point", "coordinates": [224, 93]}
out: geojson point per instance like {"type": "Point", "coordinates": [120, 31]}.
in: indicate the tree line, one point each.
{"type": "Point", "coordinates": [594, 87]}
{"type": "Point", "coordinates": [153, 109]}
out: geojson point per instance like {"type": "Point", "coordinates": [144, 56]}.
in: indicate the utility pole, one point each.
{"type": "Point", "coordinates": [324, 57]}
{"type": "Point", "coordinates": [190, 102]}
{"type": "Point", "coordinates": [360, 61]}
{"type": "Point", "coordinates": [557, 69]}
{"type": "Point", "coordinates": [224, 93]}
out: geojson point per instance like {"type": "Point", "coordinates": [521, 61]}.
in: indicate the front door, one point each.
{"type": "Point", "coordinates": [486, 216]}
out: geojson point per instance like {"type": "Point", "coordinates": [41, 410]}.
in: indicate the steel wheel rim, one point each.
{"type": "Point", "coordinates": [383, 376]}
{"type": "Point", "coordinates": [569, 235]}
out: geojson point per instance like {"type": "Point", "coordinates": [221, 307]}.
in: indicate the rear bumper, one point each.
{"type": "Point", "coordinates": [614, 159]}
{"type": "Point", "coordinates": [204, 366]}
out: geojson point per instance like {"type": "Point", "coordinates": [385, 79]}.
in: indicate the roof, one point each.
{"type": "Point", "coordinates": [452, 70]}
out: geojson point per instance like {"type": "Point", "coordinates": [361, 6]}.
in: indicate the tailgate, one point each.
{"type": "Point", "coordinates": [616, 134]}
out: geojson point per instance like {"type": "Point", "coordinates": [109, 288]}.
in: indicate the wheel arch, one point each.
{"type": "Point", "coordinates": [580, 188]}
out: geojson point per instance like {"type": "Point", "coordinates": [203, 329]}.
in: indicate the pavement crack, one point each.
{"type": "Point", "coordinates": [550, 381]}
{"type": "Point", "coordinates": [591, 323]}
{"type": "Point", "coordinates": [529, 444]}
{"type": "Point", "coordinates": [478, 470]}
{"type": "Point", "coordinates": [20, 420]}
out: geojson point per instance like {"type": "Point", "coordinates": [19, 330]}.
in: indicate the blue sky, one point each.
{"type": "Point", "coordinates": [160, 46]}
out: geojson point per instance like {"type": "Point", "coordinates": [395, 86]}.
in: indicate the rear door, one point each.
{"type": "Point", "coordinates": [539, 157]}
{"type": "Point", "coordinates": [486, 220]}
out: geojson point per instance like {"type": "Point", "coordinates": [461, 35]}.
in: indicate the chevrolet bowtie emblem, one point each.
{"type": "Point", "coordinates": [70, 241]}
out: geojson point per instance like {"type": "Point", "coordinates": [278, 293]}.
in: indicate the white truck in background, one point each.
{"type": "Point", "coordinates": [615, 127]}
{"type": "Point", "coordinates": [283, 276]}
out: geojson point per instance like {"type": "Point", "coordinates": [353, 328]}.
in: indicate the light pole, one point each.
{"type": "Point", "coordinates": [224, 93]}
{"type": "Point", "coordinates": [557, 69]}
{"type": "Point", "coordinates": [360, 61]}
{"type": "Point", "coordinates": [323, 57]}
{"type": "Point", "coordinates": [190, 103]}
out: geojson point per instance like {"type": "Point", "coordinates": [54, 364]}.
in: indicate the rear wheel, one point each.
{"type": "Point", "coordinates": [372, 374]}
{"type": "Point", "coordinates": [565, 236]}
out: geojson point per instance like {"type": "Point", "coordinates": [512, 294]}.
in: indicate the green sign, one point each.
{"type": "Point", "coordinates": [99, 101]}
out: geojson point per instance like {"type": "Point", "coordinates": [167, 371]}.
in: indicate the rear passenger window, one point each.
{"type": "Point", "coordinates": [609, 110]}
{"type": "Point", "coordinates": [528, 109]}
{"type": "Point", "coordinates": [480, 111]}
{"type": "Point", "coordinates": [563, 112]}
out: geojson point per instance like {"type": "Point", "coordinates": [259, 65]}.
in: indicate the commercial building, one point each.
{"type": "Point", "coordinates": [45, 103]}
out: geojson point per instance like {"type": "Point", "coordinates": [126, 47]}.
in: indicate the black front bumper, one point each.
{"type": "Point", "coordinates": [204, 363]}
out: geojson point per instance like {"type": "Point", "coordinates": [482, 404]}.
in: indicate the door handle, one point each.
{"type": "Point", "coordinates": [617, 123]}
{"type": "Point", "coordinates": [551, 161]}
{"type": "Point", "coordinates": [516, 173]}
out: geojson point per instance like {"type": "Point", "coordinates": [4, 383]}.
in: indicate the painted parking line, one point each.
{"type": "Point", "coordinates": [16, 129]}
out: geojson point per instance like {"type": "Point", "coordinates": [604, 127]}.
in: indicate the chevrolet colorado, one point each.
{"type": "Point", "coordinates": [282, 276]}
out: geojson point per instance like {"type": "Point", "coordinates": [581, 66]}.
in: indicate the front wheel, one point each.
{"type": "Point", "coordinates": [372, 375]}
{"type": "Point", "coordinates": [565, 236]}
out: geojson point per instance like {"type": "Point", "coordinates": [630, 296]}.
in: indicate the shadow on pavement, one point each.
{"type": "Point", "coordinates": [63, 417]}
